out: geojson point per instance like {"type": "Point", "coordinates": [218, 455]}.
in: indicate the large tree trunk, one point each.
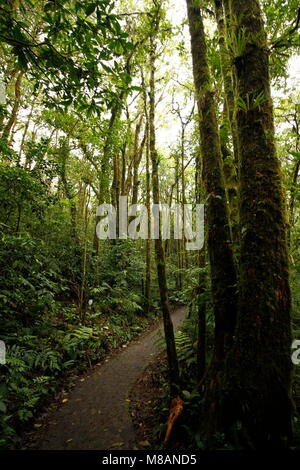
{"type": "Point", "coordinates": [223, 276]}
{"type": "Point", "coordinates": [257, 381]}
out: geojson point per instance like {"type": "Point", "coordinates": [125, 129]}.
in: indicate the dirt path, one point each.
{"type": "Point", "coordinates": [96, 415]}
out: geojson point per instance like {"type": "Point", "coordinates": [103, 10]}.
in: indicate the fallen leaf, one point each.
{"type": "Point", "coordinates": [117, 444]}
{"type": "Point", "coordinates": [65, 400]}
{"type": "Point", "coordinates": [144, 444]}
{"type": "Point", "coordinates": [38, 425]}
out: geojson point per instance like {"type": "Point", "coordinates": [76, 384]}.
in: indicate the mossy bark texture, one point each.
{"type": "Point", "coordinates": [223, 276]}
{"type": "Point", "coordinates": [257, 376]}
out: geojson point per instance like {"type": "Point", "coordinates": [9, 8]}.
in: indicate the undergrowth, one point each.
{"type": "Point", "coordinates": [39, 360]}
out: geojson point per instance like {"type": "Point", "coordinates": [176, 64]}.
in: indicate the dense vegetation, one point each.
{"type": "Point", "coordinates": [169, 104]}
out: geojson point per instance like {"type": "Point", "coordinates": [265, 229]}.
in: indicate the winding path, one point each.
{"type": "Point", "coordinates": [96, 416]}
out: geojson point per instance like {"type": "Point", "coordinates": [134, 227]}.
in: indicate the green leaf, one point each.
{"type": "Point", "coordinates": [2, 407]}
{"type": "Point", "coordinates": [90, 8]}
{"type": "Point", "coordinates": [295, 154]}
{"type": "Point", "coordinates": [186, 394]}
{"type": "Point", "coordinates": [50, 6]}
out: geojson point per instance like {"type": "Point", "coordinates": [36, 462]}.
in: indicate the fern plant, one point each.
{"type": "Point", "coordinates": [186, 347]}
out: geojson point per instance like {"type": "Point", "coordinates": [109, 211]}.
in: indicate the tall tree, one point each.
{"type": "Point", "coordinates": [223, 276]}
{"type": "Point", "coordinates": [257, 383]}
{"type": "Point", "coordinates": [159, 249]}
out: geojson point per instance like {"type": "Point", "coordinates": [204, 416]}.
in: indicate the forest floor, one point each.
{"type": "Point", "coordinates": [96, 413]}
{"type": "Point", "coordinates": [146, 397]}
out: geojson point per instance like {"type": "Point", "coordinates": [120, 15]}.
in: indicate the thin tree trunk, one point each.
{"type": "Point", "coordinates": [123, 173]}
{"type": "Point", "coordinates": [201, 311]}
{"type": "Point", "coordinates": [159, 250]}
{"type": "Point", "coordinates": [293, 190]}
{"type": "Point", "coordinates": [83, 293]}
{"type": "Point", "coordinates": [107, 151]}
{"type": "Point", "coordinates": [67, 190]}
{"type": "Point", "coordinates": [293, 196]}
{"type": "Point", "coordinates": [12, 76]}
{"type": "Point", "coordinates": [19, 218]}
{"type": "Point", "coordinates": [148, 241]}
{"type": "Point", "coordinates": [227, 74]}
{"type": "Point", "coordinates": [15, 109]}
{"type": "Point", "coordinates": [137, 155]}
{"type": "Point", "coordinates": [202, 286]}
{"type": "Point", "coordinates": [229, 122]}
{"type": "Point", "coordinates": [148, 276]}
{"type": "Point", "coordinates": [179, 241]}
{"type": "Point", "coordinates": [106, 159]}
{"type": "Point", "coordinates": [183, 198]}
{"type": "Point", "coordinates": [26, 128]}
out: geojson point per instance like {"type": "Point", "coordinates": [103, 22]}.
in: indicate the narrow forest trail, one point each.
{"type": "Point", "coordinates": [96, 416]}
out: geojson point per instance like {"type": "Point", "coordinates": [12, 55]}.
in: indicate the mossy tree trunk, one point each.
{"type": "Point", "coordinates": [228, 82]}
{"type": "Point", "coordinates": [257, 377]}
{"type": "Point", "coordinates": [223, 276]}
{"type": "Point", "coordinates": [228, 126]}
